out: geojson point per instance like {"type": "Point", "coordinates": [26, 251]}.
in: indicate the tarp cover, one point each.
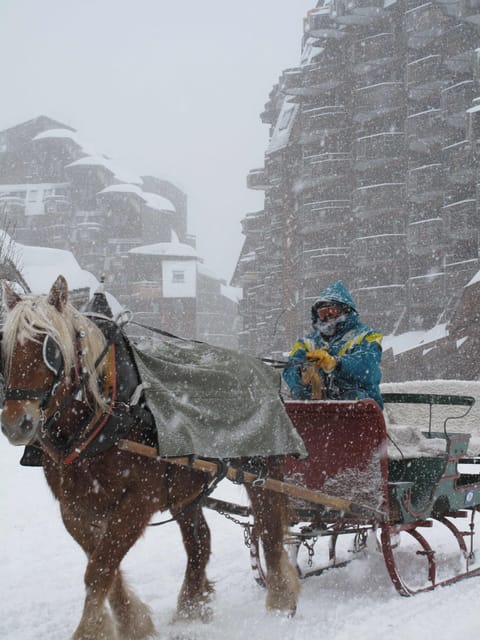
{"type": "Point", "coordinates": [214, 402]}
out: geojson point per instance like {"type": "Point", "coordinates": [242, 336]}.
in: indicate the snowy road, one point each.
{"type": "Point", "coordinates": [42, 591]}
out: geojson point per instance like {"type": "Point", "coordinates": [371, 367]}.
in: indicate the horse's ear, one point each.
{"type": "Point", "coordinates": [58, 295]}
{"type": "Point", "coordinates": [10, 297]}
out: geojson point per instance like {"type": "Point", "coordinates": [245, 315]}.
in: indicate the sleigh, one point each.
{"type": "Point", "coordinates": [404, 504]}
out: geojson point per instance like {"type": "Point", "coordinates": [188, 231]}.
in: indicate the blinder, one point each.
{"type": "Point", "coordinates": [52, 356]}
{"type": "Point", "coordinates": [53, 360]}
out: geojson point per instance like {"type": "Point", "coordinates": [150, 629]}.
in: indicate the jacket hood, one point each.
{"type": "Point", "coordinates": [336, 292]}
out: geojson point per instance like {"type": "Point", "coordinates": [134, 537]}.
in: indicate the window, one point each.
{"type": "Point", "coordinates": [178, 276]}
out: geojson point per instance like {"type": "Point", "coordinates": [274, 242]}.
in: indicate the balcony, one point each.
{"type": "Point", "coordinates": [323, 120]}
{"type": "Point", "coordinates": [454, 102]}
{"type": "Point", "coordinates": [378, 100]}
{"type": "Point", "coordinates": [424, 130]}
{"type": "Point", "coordinates": [358, 12]}
{"type": "Point", "coordinates": [424, 235]}
{"type": "Point", "coordinates": [424, 25]}
{"type": "Point", "coordinates": [12, 205]}
{"type": "Point", "coordinates": [291, 79]}
{"type": "Point", "coordinates": [424, 287]}
{"type": "Point", "coordinates": [425, 77]}
{"type": "Point", "coordinates": [370, 250]}
{"type": "Point", "coordinates": [318, 78]}
{"type": "Point", "coordinates": [378, 299]}
{"type": "Point", "coordinates": [323, 215]}
{"type": "Point", "coordinates": [377, 199]}
{"type": "Point", "coordinates": [460, 219]}
{"type": "Point", "coordinates": [457, 45]}
{"type": "Point", "coordinates": [473, 115]}
{"type": "Point", "coordinates": [320, 24]}
{"type": "Point", "coordinates": [327, 260]}
{"type": "Point", "coordinates": [466, 10]}
{"type": "Point", "coordinates": [57, 204]}
{"type": "Point", "coordinates": [459, 163]}
{"type": "Point", "coordinates": [379, 150]}
{"type": "Point", "coordinates": [256, 179]}
{"type": "Point", "coordinates": [374, 51]}
{"type": "Point", "coordinates": [326, 168]}
{"type": "Point", "coordinates": [426, 183]}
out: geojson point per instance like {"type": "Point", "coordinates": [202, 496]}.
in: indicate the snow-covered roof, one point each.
{"type": "Point", "coordinates": [41, 266]}
{"type": "Point", "coordinates": [170, 249]}
{"type": "Point", "coordinates": [101, 161]}
{"type": "Point", "coordinates": [66, 133]}
{"type": "Point", "coordinates": [474, 109]}
{"type": "Point", "coordinates": [474, 280]}
{"type": "Point", "coordinates": [232, 293]}
{"type": "Point", "coordinates": [414, 339]}
{"type": "Point", "coordinates": [153, 200]}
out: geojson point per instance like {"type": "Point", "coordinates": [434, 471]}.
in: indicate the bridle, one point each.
{"type": "Point", "coordinates": [77, 390]}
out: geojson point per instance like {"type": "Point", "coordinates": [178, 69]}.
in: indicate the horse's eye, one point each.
{"type": "Point", "coordinates": [52, 356]}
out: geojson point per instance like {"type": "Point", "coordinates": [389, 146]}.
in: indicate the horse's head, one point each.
{"type": "Point", "coordinates": [46, 346]}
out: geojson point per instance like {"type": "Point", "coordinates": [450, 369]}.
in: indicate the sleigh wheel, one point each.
{"type": "Point", "coordinates": [408, 576]}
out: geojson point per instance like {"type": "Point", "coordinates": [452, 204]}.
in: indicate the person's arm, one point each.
{"type": "Point", "coordinates": [361, 365]}
{"type": "Point", "coordinates": [292, 372]}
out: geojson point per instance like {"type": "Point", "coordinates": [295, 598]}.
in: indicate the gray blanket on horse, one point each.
{"type": "Point", "coordinates": [214, 402]}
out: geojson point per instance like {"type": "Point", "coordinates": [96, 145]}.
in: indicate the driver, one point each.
{"type": "Point", "coordinates": [345, 351]}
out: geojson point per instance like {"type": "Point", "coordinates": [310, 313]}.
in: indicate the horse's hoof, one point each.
{"type": "Point", "coordinates": [195, 612]}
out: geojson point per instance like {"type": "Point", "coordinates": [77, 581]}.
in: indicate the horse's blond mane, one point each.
{"type": "Point", "coordinates": [33, 316]}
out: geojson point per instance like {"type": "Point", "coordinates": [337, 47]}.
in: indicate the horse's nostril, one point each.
{"type": "Point", "coordinates": [27, 424]}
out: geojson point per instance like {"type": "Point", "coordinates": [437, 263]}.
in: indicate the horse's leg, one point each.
{"type": "Point", "coordinates": [133, 617]}
{"type": "Point", "coordinates": [196, 589]}
{"type": "Point", "coordinates": [88, 538]}
{"type": "Point", "coordinates": [185, 486]}
{"type": "Point", "coordinates": [271, 517]}
{"type": "Point", "coordinates": [120, 531]}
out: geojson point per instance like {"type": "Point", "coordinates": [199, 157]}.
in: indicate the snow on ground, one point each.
{"type": "Point", "coordinates": [41, 583]}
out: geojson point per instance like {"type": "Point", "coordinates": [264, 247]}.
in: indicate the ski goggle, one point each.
{"type": "Point", "coordinates": [330, 312]}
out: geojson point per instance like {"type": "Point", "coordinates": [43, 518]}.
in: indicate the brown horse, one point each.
{"type": "Point", "coordinates": [58, 390]}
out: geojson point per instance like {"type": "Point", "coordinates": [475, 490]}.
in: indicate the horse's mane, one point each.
{"type": "Point", "coordinates": [33, 315]}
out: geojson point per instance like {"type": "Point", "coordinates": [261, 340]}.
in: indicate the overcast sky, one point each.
{"type": "Point", "coordinates": [172, 88]}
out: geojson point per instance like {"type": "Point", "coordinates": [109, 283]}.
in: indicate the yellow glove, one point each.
{"type": "Point", "coordinates": [322, 359]}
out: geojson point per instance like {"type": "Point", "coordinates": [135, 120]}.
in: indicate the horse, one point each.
{"type": "Point", "coordinates": [59, 387]}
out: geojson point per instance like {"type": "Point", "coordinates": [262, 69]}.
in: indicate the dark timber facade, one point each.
{"type": "Point", "coordinates": [372, 171]}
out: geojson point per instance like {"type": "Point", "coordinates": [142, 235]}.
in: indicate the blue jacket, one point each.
{"type": "Point", "coordinates": [357, 347]}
